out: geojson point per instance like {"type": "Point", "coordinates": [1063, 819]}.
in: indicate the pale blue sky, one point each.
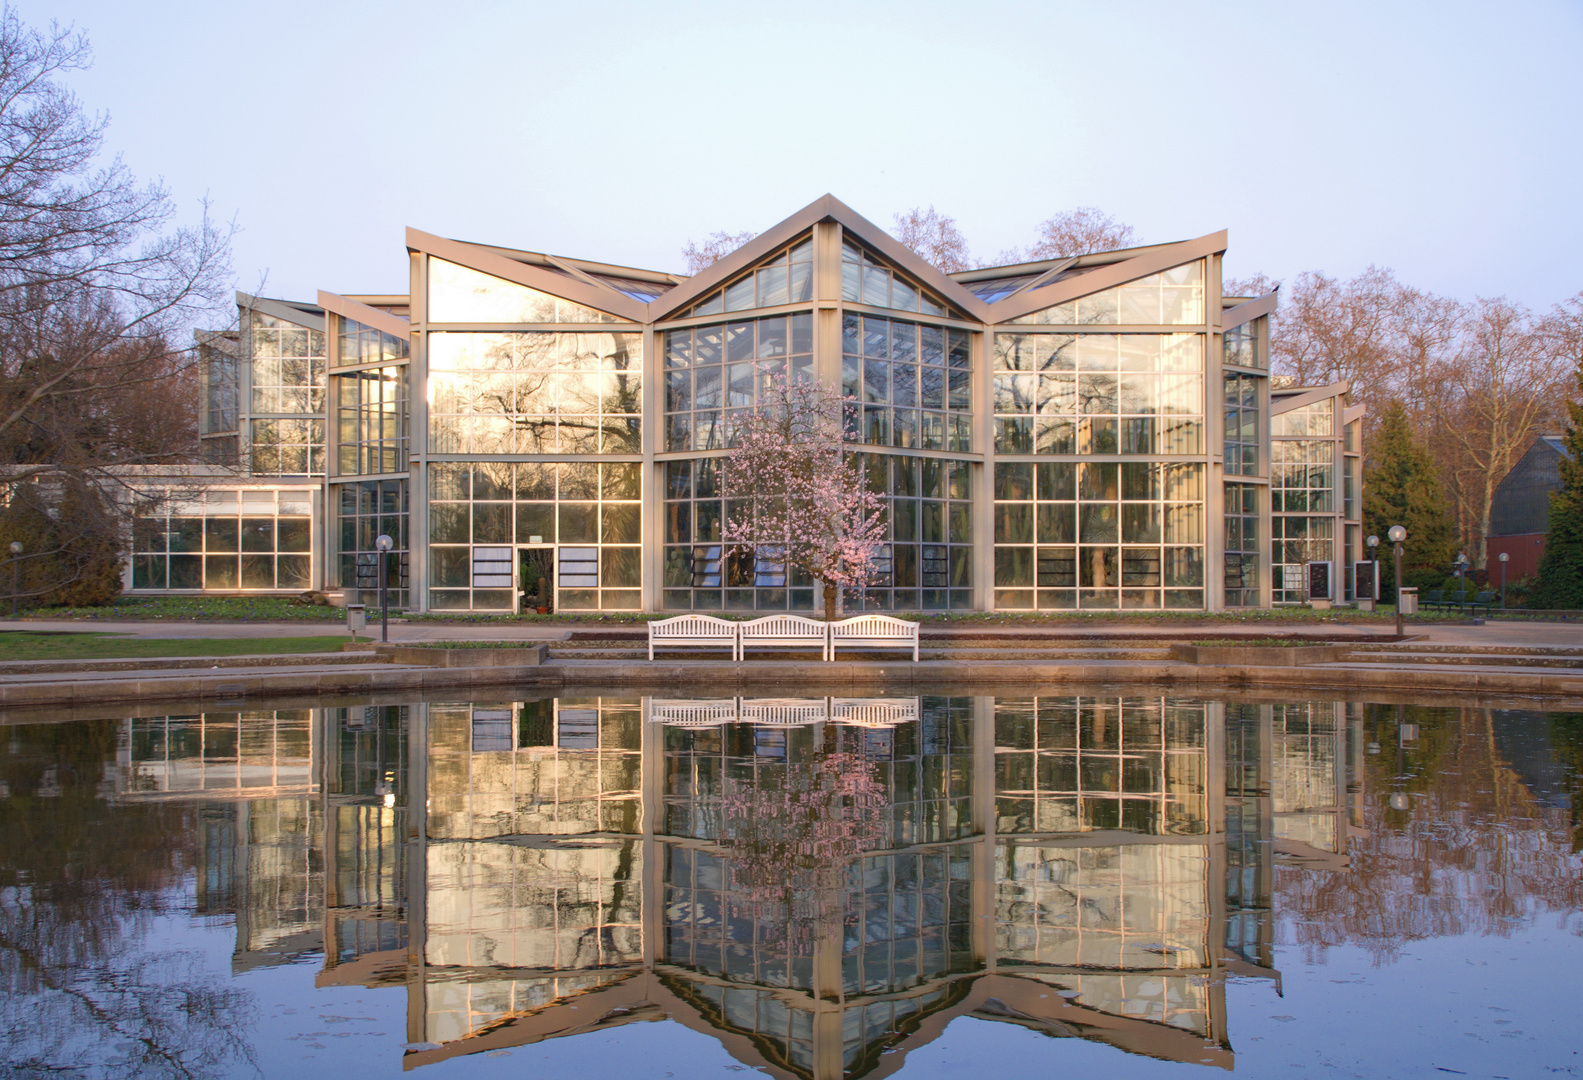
{"type": "Point", "coordinates": [1439, 139]}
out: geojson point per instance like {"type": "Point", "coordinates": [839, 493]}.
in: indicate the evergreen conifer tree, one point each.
{"type": "Point", "coordinates": [1401, 487]}
{"type": "Point", "coordinates": [1560, 580]}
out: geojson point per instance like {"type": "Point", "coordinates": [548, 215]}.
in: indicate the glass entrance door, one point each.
{"type": "Point", "coordinates": [535, 579]}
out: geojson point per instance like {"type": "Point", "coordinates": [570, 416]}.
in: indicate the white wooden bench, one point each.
{"type": "Point", "coordinates": [786, 631]}
{"type": "Point", "coordinates": [874, 632]}
{"type": "Point", "coordinates": [695, 631]}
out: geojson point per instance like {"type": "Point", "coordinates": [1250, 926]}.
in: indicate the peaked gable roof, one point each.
{"type": "Point", "coordinates": [825, 208]}
{"type": "Point", "coordinates": [618, 290]}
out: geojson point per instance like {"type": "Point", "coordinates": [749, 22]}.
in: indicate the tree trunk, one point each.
{"type": "Point", "coordinates": [829, 601]}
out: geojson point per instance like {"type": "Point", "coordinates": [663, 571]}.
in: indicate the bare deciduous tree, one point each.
{"type": "Point", "coordinates": [97, 283]}
{"type": "Point", "coordinates": [933, 237]}
{"type": "Point", "coordinates": [716, 247]}
{"type": "Point", "coordinates": [1503, 388]}
{"type": "Point", "coordinates": [1332, 330]}
{"type": "Point", "coordinates": [1080, 232]}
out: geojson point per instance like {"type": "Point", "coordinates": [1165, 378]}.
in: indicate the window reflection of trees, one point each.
{"type": "Point", "coordinates": [535, 393]}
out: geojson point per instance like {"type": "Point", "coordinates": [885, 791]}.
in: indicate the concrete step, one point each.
{"type": "Point", "coordinates": [1482, 650]}
{"type": "Point", "coordinates": [1464, 658]}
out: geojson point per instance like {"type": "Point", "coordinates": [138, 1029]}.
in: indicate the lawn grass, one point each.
{"type": "Point", "coordinates": [94, 645]}
{"type": "Point", "coordinates": [201, 608]}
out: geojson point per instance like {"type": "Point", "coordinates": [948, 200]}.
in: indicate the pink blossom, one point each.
{"type": "Point", "coordinates": [796, 490]}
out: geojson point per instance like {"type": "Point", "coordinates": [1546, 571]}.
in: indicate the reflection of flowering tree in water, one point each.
{"type": "Point", "coordinates": [792, 838]}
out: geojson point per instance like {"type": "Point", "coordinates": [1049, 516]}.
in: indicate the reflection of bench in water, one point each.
{"type": "Point", "coordinates": [695, 714]}
{"type": "Point", "coordinates": [873, 712]}
{"type": "Point", "coordinates": [783, 712]}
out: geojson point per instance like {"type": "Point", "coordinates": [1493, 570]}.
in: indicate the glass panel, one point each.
{"type": "Point", "coordinates": [462, 294]}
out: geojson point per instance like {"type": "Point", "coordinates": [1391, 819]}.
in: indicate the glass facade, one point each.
{"type": "Point", "coordinates": [219, 414]}
{"type": "Point", "coordinates": [928, 564]}
{"type": "Point", "coordinates": [867, 280]}
{"type": "Point", "coordinates": [1304, 503]}
{"type": "Point", "coordinates": [1242, 548]}
{"type": "Point", "coordinates": [288, 366]}
{"type": "Point", "coordinates": [785, 279]}
{"type": "Point", "coordinates": [478, 513]}
{"type": "Point", "coordinates": [366, 510]}
{"type": "Point", "coordinates": [221, 395]}
{"type": "Point", "coordinates": [287, 447]}
{"type": "Point", "coordinates": [1172, 298]}
{"type": "Point", "coordinates": [911, 384]}
{"type": "Point", "coordinates": [460, 294]}
{"type": "Point", "coordinates": [226, 539]}
{"type": "Point", "coordinates": [288, 380]}
{"type": "Point", "coordinates": [359, 344]}
{"type": "Point", "coordinates": [1052, 460]}
{"type": "Point", "coordinates": [1243, 430]}
{"type": "Point", "coordinates": [535, 393]}
{"type": "Point", "coordinates": [1099, 535]}
{"type": "Point", "coordinates": [1242, 348]}
{"type": "Point", "coordinates": [371, 410]}
{"type": "Point", "coordinates": [714, 373]}
{"type": "Point", "coordinates": [1099, 394]}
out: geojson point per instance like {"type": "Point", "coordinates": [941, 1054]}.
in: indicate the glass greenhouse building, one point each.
{"type": "Point", "coordinates": [541, 431]}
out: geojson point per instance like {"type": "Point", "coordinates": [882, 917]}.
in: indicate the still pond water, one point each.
{"type": "Point", "coordinates": [631, 887]}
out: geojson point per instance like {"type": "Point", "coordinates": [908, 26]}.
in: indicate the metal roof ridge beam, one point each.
{"type": "Point", "coordinates": [280, 309]}
{"type": "Point", "coordinates": [1310, 395]}
{"type": "Point", "coordinates": [1246, 312]}
{"type": "Point", "coordinates": [1109, 276]}
{"type": "Point", "coordinates": [1042, 278]}
{"type": "Point", "coordinates": [347, 308]}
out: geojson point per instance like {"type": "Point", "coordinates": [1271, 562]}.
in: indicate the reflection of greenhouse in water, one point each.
{"type": "Point", "coordinates": [818, 895]}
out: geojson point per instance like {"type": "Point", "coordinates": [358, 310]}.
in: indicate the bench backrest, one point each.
{"type": "Point", "coordinates": [1484, 598]}
{"type": "Point", "coordinates": [694, 626]}
{"type": "Point", "coordinates": [1433, 595]}
{"type": "Point", "coordinates": [874, 626]}
{"type": "Point", "coordinates": [784, 626]}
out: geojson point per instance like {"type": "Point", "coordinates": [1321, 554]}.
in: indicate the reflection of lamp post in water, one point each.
{"type": "Point", "coordinates": [16, 553]}
{"type": "Point", "coordinates": [384, 544]}
{"type": "Point", "coordinates": [1405, 733]}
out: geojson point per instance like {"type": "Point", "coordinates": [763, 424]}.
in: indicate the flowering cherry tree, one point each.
{"type": "Point", "coordinates": [796, 494]}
